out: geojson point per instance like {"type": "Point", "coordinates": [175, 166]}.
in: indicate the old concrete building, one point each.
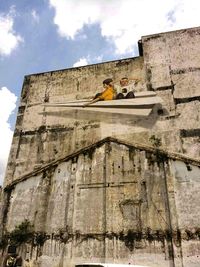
{"type": "Point", "coordinates": [110, 187]}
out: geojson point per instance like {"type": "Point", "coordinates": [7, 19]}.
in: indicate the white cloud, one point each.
{"type": "Point", "coordinates": [71, 15]}
{"type": "Point", "coordinates": [81, 62]}
{"type": "Point", "coordinates": [7, 106]}
{"type": "Point", "coordinates": [35, 16]}
{"type": "Point", "coordinates": [9, 40]}
{"type": "Point", "coordinates": [124, 22]}
{"type": "Point", "coordinates": [97, 59]}
{"type": "Point", "coordinates": [88, 60]}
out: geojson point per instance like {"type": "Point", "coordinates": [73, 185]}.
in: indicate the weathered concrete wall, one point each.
{"type": "Point", "coordinates": [172, 68]}
{"type": "Point", "coordinates": [113, 202]}
{"type": "Point", "coordinates": [43, 133]}
{"type": "Point", "coordinates": [1, 209]}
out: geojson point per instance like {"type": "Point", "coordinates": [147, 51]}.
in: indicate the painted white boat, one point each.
{"type": "Point", "coordinates": [137, 95]}
{"type": "Point", "coordinates": [122, 103]}
{"type": "Point", "coordinates": [141, 105]}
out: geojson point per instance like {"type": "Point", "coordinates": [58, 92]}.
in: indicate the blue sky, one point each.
{"type": "Point", "coordinates": [43, 35]}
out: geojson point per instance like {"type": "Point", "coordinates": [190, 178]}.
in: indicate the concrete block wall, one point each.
{"type": "Point", "coordinates": [114, 202]}
{"type": "Point", "coordinates": [172, 67]}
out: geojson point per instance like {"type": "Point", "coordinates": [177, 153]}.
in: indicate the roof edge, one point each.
{"type": "Point", "coordinates": [171, 155]}
{"type": "Point", "coordinates": [85, 66]}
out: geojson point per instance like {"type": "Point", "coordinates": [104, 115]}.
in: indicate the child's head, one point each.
{"type": "Point", "coordinates": [124, 81]}
{"type": "Point", "coordinates": [108, 82]}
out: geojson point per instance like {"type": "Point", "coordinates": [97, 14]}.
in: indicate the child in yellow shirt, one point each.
{"type": "Point", "coordinates": [108, 94]}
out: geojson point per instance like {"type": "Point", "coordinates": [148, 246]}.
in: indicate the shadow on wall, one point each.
{"type": "Point", "coordinates": [124, 119]}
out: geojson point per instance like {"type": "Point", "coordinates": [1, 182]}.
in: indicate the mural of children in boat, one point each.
{"type": "Point", "coordinates": [112, 92]}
